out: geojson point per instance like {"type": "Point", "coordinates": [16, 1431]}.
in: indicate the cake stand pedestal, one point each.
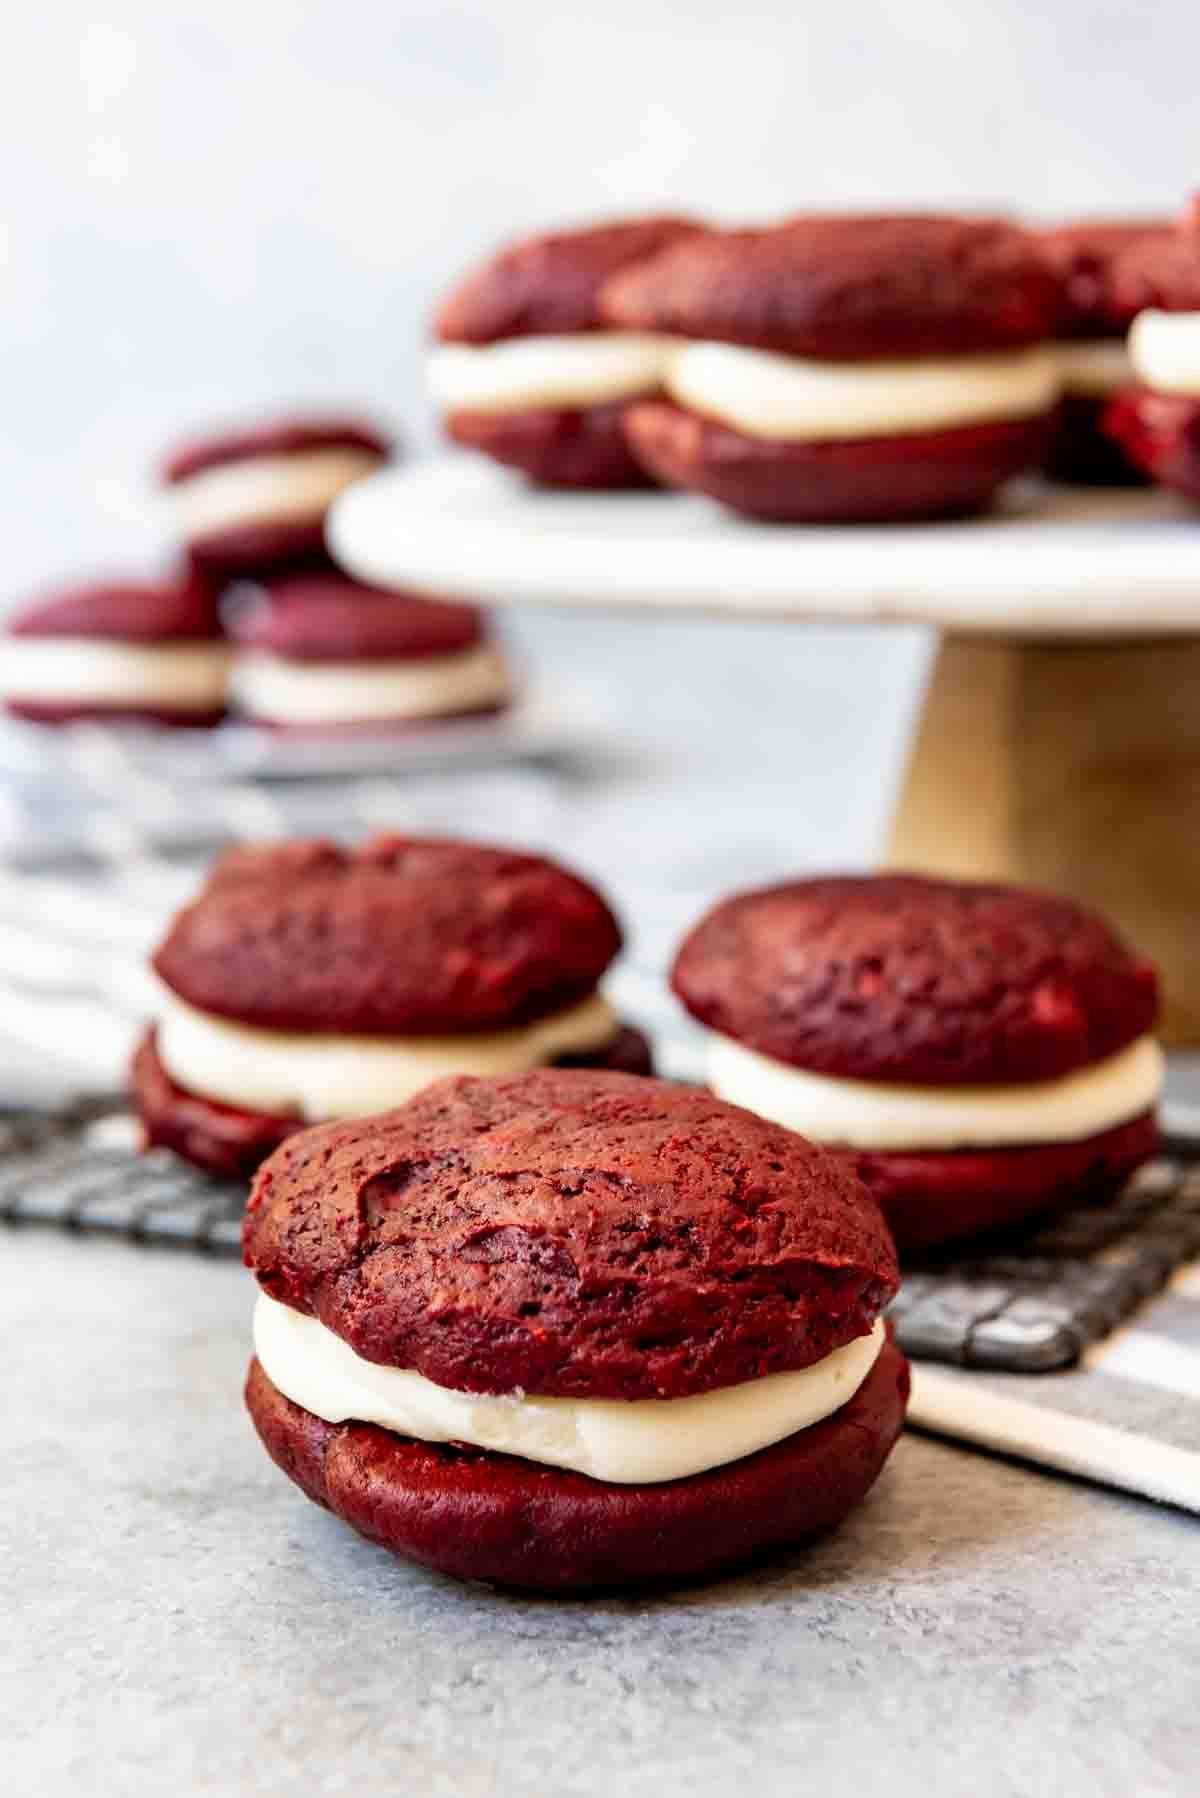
{"type": "Point", "coordinates": [1059, 741]}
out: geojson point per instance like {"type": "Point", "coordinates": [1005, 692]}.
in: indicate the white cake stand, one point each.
{"type": "Point", "coordinates": [1059, 741]}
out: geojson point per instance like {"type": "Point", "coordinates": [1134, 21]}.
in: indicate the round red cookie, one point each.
{"type": "Point", "coordinates": [257, 544]}
{"type": "Point", "coordinates": [231, 1142]}
{"type": "Point", "coordinates": [514, 1523]}
{"type": "Point", "coordinates": [550, 286]}
{"type": "Point", "coordinates": [1094, 261]}
{"type": "Point", "coordinates": [322, 616]}
{"type": "Point", "coordinates": [923, 474]}
{"type": "Point", "coordinates": [173, 611]}
{"type": "Point", "coordinates": [937, 1197]}
{"type": "Point", "coordinates": [404, 936]}
{"type": "Point", "coordinates": [900, 977]}
{"type": "Point", "coordinates": [850, 287]}
{"type": "Point", "coordinates": [1160, 434]}
{"type": "Point", "coordinates": [587, 1235]}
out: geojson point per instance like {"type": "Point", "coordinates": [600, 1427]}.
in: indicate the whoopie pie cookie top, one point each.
{"type": "Point", "coordinates": [323, 616]}
{"type": "Point", "coordinates": [846, 286]}
{"type": "Point", "coordinates": [274, 437]}
{"type": "Point", "coordinates": [550, 285]}
{"type": "Point", "coordinates": [182, 610]}
{"type": "Point", "coordinates": [1086, 257]}
{"type": "Point", "coordinates": [404, 936]}
{"type": "Point", "coordinates": [902, 978]}
{"type": "Point", "coordinates": [1161, 272]}
{"type": "Point", "coordinates": [585, 1234]}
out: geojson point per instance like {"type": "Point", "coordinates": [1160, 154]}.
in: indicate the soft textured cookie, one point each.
{"type": "Point", "coordinates": [855, 367]}
{"type": "Point", "coordinates": [308, 981]}
{"type": "Point", "coordinates": [1097, 262]}
{"type": "Point", "coordinates": [133, 650]}
{"type": "Point", "coordinates": [253, 499]}
{"type": "Point", "coordinates": [318, 651]}
{"type": "Point", "coordinates": [648, 1322]}
{"type": "Point", "coordinates": [525, 369]}
{"type": "Point", "coordinates": [981, 1051]}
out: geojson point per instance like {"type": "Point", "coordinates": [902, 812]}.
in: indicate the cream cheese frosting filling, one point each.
{"type": "Point", "coordinates": [1165, 350]}
{"type": "Point", "coordinates": [631, 1442]}
{"type": "Point", "coordinates": [797, 399]}
{"type": "Point", "coordinates": [1093, 367]}
{"type": "Point", "coordinates": [879, 1114]}
{"type": "Point", "coordinates": [162, 677]}
{"type": "Point", "coordinates": [287, 1073]}
{"type": "Point", "coordinates": [582, 369]}
{"type": "Point", "coordinates": [264, 489]}
{"type": "Point", "coordinates": [291, 692]}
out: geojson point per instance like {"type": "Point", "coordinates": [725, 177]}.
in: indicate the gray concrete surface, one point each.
{"type": "Point", "coordinates": [177, 1619]}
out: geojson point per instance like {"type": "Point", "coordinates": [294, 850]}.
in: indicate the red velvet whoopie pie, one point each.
{"type": "Point", "coordinates": [309, 981]}
{"type": "Point", "coordinates": [979, 1053]}
{"type": "Point", "coordinates": [1097, 263]}
{"type": "Point", "coordinates": [319, 652]}
{"type": "Point", "coordinates": [1156, 419]}
{"type": "Point", "coordinates": [542, 1250]}
{"type": "Point", "coordinates": [526, 370]}
{"type": "Point", "coordinates": [252, 499]}
{"type": "Point", "coordinates": [839, 368]}
{"type": "Point", "coordinates": [141, 652]}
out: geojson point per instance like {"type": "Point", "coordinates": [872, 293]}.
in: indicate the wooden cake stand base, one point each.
{"type": "Point", "coordinates": [1074, 766]}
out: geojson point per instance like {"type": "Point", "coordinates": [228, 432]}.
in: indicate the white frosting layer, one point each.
{"type": "Point", "coordinates": [521, 372]}
{"type": "Point", "coordinates": [163, 677]}
{"type": "Point", "coordinates": [295, 1073]}
{"type": "Point", "coordinates": [1093, 367]}
{"type": "Point", "coordinates": [1165, 351]}
{"type": "Point", "coordinates": [794, 398]}
{"type": "Point", "coordinates": [264, 488]}
{"type": "Point", "coordinates": [878, 1114]}
{"type": "Point", "coordinates": [633, 1442]}
{"type": "Point", "coordinates": [288, 692]}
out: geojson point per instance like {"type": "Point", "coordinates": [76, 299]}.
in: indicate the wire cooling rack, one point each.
{"type": "Point", "coordinates": [1030, 1301]}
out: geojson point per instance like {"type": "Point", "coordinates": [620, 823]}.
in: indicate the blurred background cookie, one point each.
{"type": "Point", "coordinates": [140, 651]}
{"type": "Point", "coordinates": [840, 368]}
{"type": "Point", "coordinates": [317, 651]}
{"type": "Point", "coordinates": [526, 368]}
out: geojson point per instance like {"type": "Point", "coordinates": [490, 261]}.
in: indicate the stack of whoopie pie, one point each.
{"type": "Point", "coordinates": [830, 367]}
{"type": "Point", "coordinates": [566, 1330]}
{"type": "Point", "coordinates": [528, 369]}
{"type": "Point", "coordinates": [978, 1053]}
{"type": "Point", "coordinates": [308, 982]}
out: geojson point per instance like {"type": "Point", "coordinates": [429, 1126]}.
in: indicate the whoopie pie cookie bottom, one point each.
{"type": "Point", "coordinates": [232, 1143]}
{"type": "Point", "coordinates": [44, 711]}
{"type": "Point", "coordinates": [268, 546]}
{"type": "Point", "coordinates": [556, 447]}
{"type": "Point", "coordinates": [926, 474]}
{"type": "Point", "coordinates": [1081, 452]}
{"type": "Point", "coordinates": [1160, 433]}
{"type": "Point", "coordinates": [485, 1516]}
{"type": "Point", "coordinates": [939, 1196]}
